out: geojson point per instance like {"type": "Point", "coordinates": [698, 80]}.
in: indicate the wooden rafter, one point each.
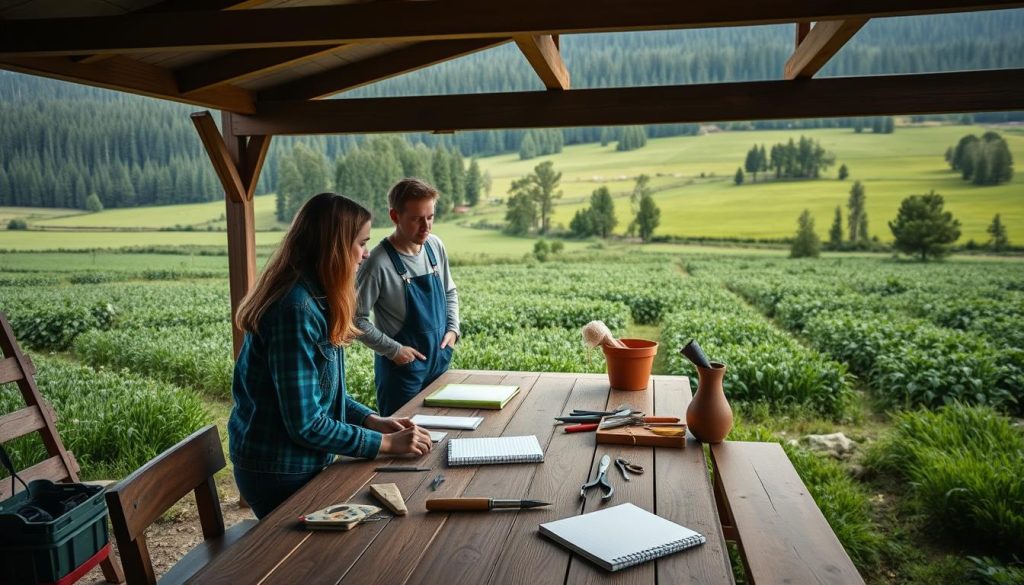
{"type": "Point", "coordinates": [122, 73]}
{"type": "Point", "coordinates": [253, 157]}
{"type": "Point", "coordinates": [542, 53]}
{"type": "Point", "coordinates": [223, 164]}
{"type": "Point", "coordinates": [974, 91]}
{"type": "Point", "coordinates": [802, 28]}
{"type": "Point", "coordinates": [440, 19]}
{"type": "Point", "coordinates": [243, 65]}
{"type": "Point", "coordinates": [383, 66]}
{"type": "Point", "coordinates": [821, 43]}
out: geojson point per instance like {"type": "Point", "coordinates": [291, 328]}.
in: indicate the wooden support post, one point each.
{"type": "Point", "coordinates": [241, 232]}
{"type": "Point", "coordinates": [237, 161]}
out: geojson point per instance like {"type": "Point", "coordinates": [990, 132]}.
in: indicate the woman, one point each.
{"type": "Point", "coordinates": [291, 412]}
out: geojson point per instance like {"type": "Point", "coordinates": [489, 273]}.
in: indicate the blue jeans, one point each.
{"type": "Point", "coordinates": [265, 491]}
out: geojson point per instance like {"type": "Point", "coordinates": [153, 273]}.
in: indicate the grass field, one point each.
{"type": "Point", "coordinates": [463, 243]}
{"type": "Point", "coordinates": [908, 162]}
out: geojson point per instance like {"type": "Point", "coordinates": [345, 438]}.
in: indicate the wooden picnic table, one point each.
{"type": "Point", "coordinates": [501, 546]}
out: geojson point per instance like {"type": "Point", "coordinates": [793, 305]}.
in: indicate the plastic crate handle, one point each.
{"type": "Point", "coordinates": [9, 466]}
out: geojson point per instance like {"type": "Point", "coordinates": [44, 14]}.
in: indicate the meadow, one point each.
{"type": "Point", "coordinates": [693, 179]}
{"type": "Point", "coordinates": [929, 392]}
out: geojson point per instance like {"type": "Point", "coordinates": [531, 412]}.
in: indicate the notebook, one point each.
{"type": "Point", "coordinates": [463, 423]}
{"type": "Point", "coordinates": [621, 536]}
{"type": "Point", "coordinates": [494, 450]}
{"type": "Point", "coordinates": [472, 396]}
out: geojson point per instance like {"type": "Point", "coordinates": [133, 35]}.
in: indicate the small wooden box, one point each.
{"type": "Point", "coordinates": [638, 435]}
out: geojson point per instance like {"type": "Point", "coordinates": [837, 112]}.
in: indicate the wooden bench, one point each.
{"type": "Point", "coordinates": [766, 509]}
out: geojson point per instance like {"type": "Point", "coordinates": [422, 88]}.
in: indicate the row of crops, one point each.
{"type": "Point", "coordinates": [916, 335]}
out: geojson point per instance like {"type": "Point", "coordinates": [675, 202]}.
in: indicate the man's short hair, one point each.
{"type": "Point", "coordinates": [408, 190]}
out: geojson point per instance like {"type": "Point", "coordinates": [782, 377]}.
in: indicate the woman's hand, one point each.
{"type": "Point", "coordinates": [389, 424]}
{"type": "Point", "coordinates": [412, 440]}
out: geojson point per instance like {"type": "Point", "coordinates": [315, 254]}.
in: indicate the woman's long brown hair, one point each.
{"type": "Point", "coordinates": [317, 245]}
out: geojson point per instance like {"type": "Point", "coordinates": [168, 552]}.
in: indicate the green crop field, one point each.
{"type": "Point", "coordinates": [910, 161]}
{"type": "Point", "coordinates": [919, 364]}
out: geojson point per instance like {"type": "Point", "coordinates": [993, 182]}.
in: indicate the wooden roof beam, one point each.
{"type": "Point", "coordinates": [543, 55]}
{"type": "Point", "coordinates": [244, 65]}
{"type": "Point", "coordinates": [934, 93]}
{"type": "Point", "coordinates": [436, 20]}
{"type": "Point", "coordinates": [819, 45]}
{"type": "Point", "coordinates": [124, 74]}
{"type": "Point", "coordinates": [180, 6]}
{"type": "Point", "coordinates": [374, 69]}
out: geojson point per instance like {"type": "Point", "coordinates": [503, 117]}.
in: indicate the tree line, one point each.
{"type": "Point", "coordinates": [367, 171]}
{"type": "Point", "coordinates": [921, 228]}
{"type": "Point", "coordinates": [802, 159]}
{"type": "Point", "coordinates": [983, 161]}
{"type": "Point", "coordinates": [61, 142]}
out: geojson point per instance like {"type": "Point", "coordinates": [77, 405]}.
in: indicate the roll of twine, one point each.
{"type": "Point", "coordinates": [597, 333]}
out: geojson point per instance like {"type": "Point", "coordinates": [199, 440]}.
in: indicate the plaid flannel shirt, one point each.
{"type": "Point", "coordinates": [291, 412]}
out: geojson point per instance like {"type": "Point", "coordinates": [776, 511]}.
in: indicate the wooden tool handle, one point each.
{"type": "Point", "coordinates": [459, 504]}
{"type": "Point", "coordinates": [661, 419]}
{"type": "Point", "coordinates": [581, 428]}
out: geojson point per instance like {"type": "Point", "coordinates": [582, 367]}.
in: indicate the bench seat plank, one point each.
{"type": "Point", "coordinates": [783, 536]}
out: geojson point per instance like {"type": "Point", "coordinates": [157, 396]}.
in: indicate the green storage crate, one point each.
{"type": "Point", "coordinates": [45, 551]}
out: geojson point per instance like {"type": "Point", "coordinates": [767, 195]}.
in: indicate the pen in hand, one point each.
{"type": "Point", "coordinates": [480, 504]}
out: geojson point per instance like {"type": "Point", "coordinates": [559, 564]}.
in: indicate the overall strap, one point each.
{"type": "Point", "coordinates": [430, 256]}
{"type": "Point", "coordinates": [393, 254]}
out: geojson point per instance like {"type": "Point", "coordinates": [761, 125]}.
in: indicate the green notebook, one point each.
{"type": "Point", "coordinates": [472, 396]}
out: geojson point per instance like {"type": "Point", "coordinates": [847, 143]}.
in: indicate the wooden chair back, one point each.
{"type": "Point", "coordinates": [141, 498]}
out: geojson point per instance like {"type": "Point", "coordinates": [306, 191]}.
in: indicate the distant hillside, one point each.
{"type": "Point", "coordinates": [60, 142]}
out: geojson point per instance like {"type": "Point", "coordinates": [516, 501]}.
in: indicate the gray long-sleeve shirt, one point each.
{"type": "Point", "coordinates": [382, 291]}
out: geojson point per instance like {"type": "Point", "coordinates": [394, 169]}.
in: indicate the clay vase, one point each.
{"type": "Point", "coordinates": [709, 416]}
{"type": "Point", "coordinates": [629, 368]}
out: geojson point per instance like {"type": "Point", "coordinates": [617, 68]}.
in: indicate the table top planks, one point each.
{"type": "Point", "coordinates": [500, 547]}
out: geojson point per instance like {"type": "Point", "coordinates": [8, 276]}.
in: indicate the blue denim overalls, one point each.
{"type": "Point", "coordinates": [426, 322]}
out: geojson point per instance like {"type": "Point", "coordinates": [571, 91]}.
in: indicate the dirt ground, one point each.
{"type": "Point", "coordinates": [174, 535]}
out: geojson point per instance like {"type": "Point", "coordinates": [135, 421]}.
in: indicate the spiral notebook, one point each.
{"type": "Point", "coordinates": [621, 536]}
{"type": "Point", "coordinates": [489, 450]}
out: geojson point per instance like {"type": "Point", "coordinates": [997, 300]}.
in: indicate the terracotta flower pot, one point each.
{"type": "Point", "coordinates": [709, 416]}
{"type": "Point", "coordinates": [629, 368]}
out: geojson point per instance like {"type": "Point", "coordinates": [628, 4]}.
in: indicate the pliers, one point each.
{"type": "Point", "coordinates": [625, 466]}
{"type": "Point", "coordinates": [600, 480]}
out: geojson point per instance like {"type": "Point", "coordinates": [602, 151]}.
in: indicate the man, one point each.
{"type": "Point", "coordinates": [407, 284]}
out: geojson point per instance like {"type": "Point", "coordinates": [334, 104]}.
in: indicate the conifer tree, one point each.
{"type": "Point", "coordinates": [474, 183]}
{"type": "Point", "coordinates": [997, 229]}
{"type": "Point", "coordinates": [855, 210]}
{"type": "Point", "coordinates": [835, 233]}
{"type": "Point", "coordinates": [922, 227]}
{"type": "Point", "coordinates": [648, 218]}
{"type": "Point", "coordinates": [528, 148]}
{"type": "Point", "coordinates": [806, 244]}
{"type": "Point", "coordinates": [602, 212]}
{"type": "Point", "coordinates": [93, 203]}
{"type": "Point", "coordinates": [738, 177]}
